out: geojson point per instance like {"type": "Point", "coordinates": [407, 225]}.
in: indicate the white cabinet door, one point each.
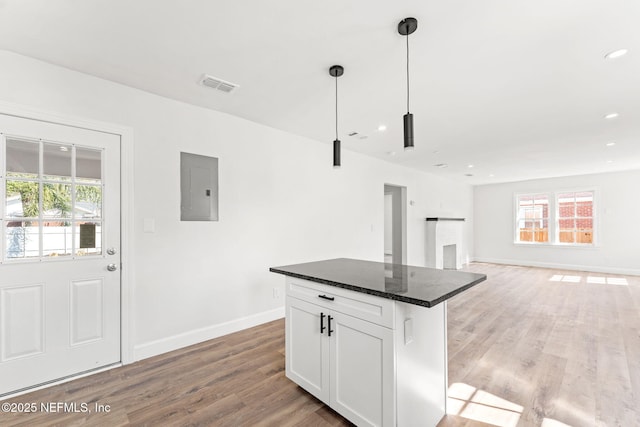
{"type": "Point", "coordinates": [307, 347]}
{"type": "Point", "coordinates": [362, 371]}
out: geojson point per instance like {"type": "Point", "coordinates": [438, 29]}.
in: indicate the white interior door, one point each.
{"type": "Point", "coordinates": [59, 256]}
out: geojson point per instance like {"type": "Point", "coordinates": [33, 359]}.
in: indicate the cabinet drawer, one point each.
{"type": "Point", "coordinates": [360, 305]}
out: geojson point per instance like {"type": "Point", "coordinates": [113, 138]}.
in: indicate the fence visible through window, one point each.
{"type": "Point", "coordinates": [533, 218]}
{"type": "Point", "coordinates": [562, 218]}
{"type": "Point", "coordinates": [53, 200]}
{"type": "Point", "coordinates": [575, 217]}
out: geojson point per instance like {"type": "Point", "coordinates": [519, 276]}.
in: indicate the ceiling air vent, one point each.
{"type": "Point", "coordinates": [216, 83]}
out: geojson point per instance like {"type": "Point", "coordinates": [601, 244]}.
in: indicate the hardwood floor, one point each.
{"type": "Point", "coordinates": [235, 380]}
{"type": "Point", "coordinates": [528, 347]}
{"type": "Point", "coordinates": [539, 347]}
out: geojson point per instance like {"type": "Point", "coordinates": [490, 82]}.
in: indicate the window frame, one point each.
{"type": "Point", "coordinates": [553, 218]}
{"type": "Point", "coordinates": [518, 218]}
{"type": "Point", "coordinates": [594, 218]}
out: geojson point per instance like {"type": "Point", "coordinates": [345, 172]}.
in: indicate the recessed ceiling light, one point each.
{"type": "Point", "coordinates": [616, 54]}
{"type": "Point", "coordinates": [470, 166]}
{"type": "Point", "coordinates": [441, 165]}
{"type": "Point", "coordinates": [611, 144]}
{"type": "Point", "coordinates": [63, 148]}
{"type": "Point", "coordinates": [382, 128]}
{"type": "Point", "coordinates": [491, 175]}
{"type": "Point", "coordinates": [609, 161]}
{"type": "Point", "coordinates": [611, 116]}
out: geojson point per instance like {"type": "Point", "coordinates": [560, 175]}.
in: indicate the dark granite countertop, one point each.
{"type": "Point", "coordinates": [414, 285]}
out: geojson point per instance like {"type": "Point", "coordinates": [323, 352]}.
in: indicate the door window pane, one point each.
{"type": "Point", "coordinates": [56, 201]}
{"type": "Point", "coordinates": [56, 161]}
{"type": "Point", "coordinates": [57, 239]}
{"type": "Point", "coordinates": [22, 158]}
{"type": "Point", "coordinates": [22, 240]}
{"type": "Point", "coordinates": [88, 202]}
{"type": "Point", "coordinates": [22, 198]}
{"type": "Point", "coordinates": [88, 238]}
{"type": "Point", "coordinates": [88, 165]}
{"type": "Point", "coordinates": [53, 200]}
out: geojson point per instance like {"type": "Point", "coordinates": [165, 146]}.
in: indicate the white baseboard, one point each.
{"type": "Point", "coordinates": [590, 268]}
{"type": "Point", "coordinates": [154, 348]}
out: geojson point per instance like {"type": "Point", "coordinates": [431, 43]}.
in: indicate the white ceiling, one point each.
{"type": "Point", "coordinates": [516, 88]}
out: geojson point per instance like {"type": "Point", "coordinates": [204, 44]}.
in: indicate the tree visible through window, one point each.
{"type": "Point", "coordinates": [53, 200]}
{"type": "Point", "coordinates": [533, 218]}
{"type": "Point", "coordinates": [575, 217]}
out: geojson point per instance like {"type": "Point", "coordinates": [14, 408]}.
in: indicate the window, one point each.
{"type": "Point", "coordinates": [533, 218]}
{"type": "Point", "coordinates": [53, 200]}
{"type": "Point", "coordinates": [567, 216]}
{"type": "Point", "coordinates": [575, 217]}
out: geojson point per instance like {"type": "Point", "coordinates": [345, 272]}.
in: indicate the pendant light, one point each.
{"type": "Point", "coordinates": [405, 27]}
{"type": "Point", "coordinates": [336, 71]}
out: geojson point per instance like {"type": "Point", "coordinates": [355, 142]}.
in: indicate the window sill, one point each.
{"type": "Point", "coordinates": [557, 245]}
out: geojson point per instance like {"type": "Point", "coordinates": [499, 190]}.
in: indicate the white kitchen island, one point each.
{"type": "Point", "coordinates": [370, 339]}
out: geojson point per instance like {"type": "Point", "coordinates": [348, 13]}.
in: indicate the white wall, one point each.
{"type": "Point", "coordinates": [618, 207]}
{"type": "Point", "coordinates": [281, 202]}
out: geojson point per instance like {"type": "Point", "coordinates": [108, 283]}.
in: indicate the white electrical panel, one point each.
{"type": "Point", "coordinates": [198, 187]}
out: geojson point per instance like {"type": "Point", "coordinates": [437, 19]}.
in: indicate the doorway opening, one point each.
{"type": "Point", "coordinates": [395, 224]}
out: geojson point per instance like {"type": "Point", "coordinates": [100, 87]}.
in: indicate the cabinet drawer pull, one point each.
{"type": "Point", "coordinates": [322, 327]}
{"type": "Point", "coordinates": [329, 325]}
{"type": "Point", "coordinates": [326, 297]}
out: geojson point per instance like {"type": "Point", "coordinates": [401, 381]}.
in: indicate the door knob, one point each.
{"type": "Point", "coordinates": [112, 267]}
{"type": "Point", "coordinates": [111, 251]}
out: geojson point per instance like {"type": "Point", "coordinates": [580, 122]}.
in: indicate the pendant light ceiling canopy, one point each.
{"type": "Point", "coordinates": [336, 71]}
{"type": "Point", "coordinates": [405, 27]}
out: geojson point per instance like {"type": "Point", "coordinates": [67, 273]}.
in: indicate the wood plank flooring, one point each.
{"type": "Point", "coordinates": [235, 380]}
{"type": "Point", "coordinates": [528, 347]}
{"type": "Point", "coordinates": [540, 347]}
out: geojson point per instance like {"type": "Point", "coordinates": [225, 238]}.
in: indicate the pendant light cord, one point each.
{"type": "Point", "coordinates": [407, 69]}
{"type": "Point", "coordinates": [336, 77]}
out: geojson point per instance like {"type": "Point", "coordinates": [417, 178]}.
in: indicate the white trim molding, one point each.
{"type": "Point", "coordinates": [574, 267]}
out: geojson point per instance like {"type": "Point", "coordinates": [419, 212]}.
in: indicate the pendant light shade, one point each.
{"type": "Point", "coordinates": [336, 71]}
{"type": "Point", "coordinates": [405, 27]}
{"type": "Point", "coordinates": [408, 131]}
